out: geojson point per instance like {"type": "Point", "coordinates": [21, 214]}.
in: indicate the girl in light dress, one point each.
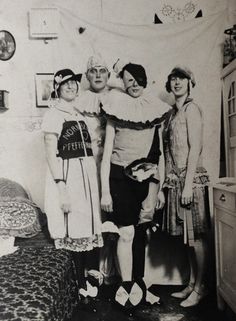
{"type": "Point", "coordinates": [72, 202]}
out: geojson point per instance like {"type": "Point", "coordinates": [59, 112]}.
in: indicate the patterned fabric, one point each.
{"type": "Point", "coordinates": [37, 284]}
{"type": "Point", "coordinates": [174, 216]}
{"type": "Point", "coordinates": [176, 178]}
{"type": "Point", "coordinates": [83, 244]}
{"type": "Point", "coordinates": [173, 14]}
{"type": "Point", "coordinates": [179, 220]}
{"type": "Point", "coordinates": [18, 217]}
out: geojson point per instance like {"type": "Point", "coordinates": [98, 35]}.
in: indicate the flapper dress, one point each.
{"type": "Point", "coordinates": [191, 222]}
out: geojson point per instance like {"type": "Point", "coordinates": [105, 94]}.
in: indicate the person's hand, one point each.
{"type": "Point", "coordinates": [187, 195]}
{"type": "Point", "coordinates": [106, 202]}
{"type": "Point", "coordinates": [64, 198]}
{"type": "Point", "coordinates": [160, 200]}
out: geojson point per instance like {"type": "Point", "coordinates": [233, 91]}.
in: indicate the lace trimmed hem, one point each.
{"type": "Point", "coordinates": [81, 244]}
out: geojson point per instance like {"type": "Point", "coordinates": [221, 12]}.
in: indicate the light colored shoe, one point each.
{"type": "Point", "coordinates": [96, 276]}
{"type": "Point", "coordinates": [184, 293]}
{"type": "Point", "coordinates": [83, 292]}
{"type": "Point", "coordinates": [152, 298]}
{"type": "Point", "coordinates": [92, 291]}
{"type": "Point", "coordinates": [194, 298]}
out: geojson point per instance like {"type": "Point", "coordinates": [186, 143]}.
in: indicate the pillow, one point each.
{"type": "Point", "coordinates": [19, 216]}
{"type": "Point", "coordinates": [11, 189]}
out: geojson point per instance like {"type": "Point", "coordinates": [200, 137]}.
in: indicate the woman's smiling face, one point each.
{"type": "Point", "coordinates": [68, 90]}
{"type": "Point", "coordinates": [179, 85]}
{"type": "Point", "coordinates": [131, 85]}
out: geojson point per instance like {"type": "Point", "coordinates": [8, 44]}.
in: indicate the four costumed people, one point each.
{"type": "Point", "coordinates": [108, 144]}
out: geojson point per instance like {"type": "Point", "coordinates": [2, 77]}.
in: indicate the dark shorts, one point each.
{"type": "Point", "coordinates": [127, 196]}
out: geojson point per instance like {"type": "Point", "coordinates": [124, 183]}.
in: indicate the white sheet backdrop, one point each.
{"type": "Point", "coordinates": [196, 43]}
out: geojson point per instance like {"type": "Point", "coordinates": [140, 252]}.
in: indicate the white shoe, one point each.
{"type": "Point", "coordinates": [92, 291]}
{"type": "Point", "coordinates": [97, 275]}
{"type": "Point", "coordinates": [193, 299]}
{"type": "Point", "coordinates": [152, 299]}
{"type": "Point", "coordinates": [184, 293]}
{"type": "Point", "coordinates": [83, 292]}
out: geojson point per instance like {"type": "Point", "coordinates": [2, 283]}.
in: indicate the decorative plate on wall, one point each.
{"type": "Point", "coordinates": [7, 45]}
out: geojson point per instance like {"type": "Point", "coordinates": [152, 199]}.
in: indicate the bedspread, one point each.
{"type": "Point", "coordinates": [37, 284]}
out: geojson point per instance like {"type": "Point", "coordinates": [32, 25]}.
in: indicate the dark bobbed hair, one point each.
{"type": "Point", "coordinates": [168, 88]}
{"type": "Point", "coordinates": [181, 72]}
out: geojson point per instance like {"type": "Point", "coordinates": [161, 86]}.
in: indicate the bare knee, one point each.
{"type": "Point", "coordinates": [126, 234]}
{"type": "Point", "coordinates": [200, 244]}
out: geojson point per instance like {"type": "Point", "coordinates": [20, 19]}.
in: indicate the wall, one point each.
{"type": "Point", "coordinates": [21, 145]}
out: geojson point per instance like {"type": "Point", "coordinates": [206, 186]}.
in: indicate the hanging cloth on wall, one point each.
{"type": "Point", "coordinates": [158, 48]}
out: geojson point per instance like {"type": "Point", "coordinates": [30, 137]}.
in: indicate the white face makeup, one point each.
{"type": "Point", "coordinates": [68, 90]}
{"type": "Point", "coordinates": [179, 85]}
{"type": "Point", "coordinates": [131, 85]}
{"type": "Point", "coordinates": [98, 77]}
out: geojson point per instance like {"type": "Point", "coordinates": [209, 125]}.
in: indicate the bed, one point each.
{"type": "Point", "coordinates": [37, 282]}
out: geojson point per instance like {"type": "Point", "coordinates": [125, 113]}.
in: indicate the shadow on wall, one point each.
{"type": "Point", "coordinates": [167, 259]}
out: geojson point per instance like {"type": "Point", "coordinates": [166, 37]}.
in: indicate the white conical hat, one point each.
{"type": "Point", "coordinates": [95, 61]}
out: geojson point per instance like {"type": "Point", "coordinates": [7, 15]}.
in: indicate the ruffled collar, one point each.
{"type": "Point", "coordinates": [89, 102]}
{"type": "Point", "coordinates": [142, 112]}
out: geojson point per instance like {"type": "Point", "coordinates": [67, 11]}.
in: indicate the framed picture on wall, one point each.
{"type": "Point", "coordinates": [44, 87]}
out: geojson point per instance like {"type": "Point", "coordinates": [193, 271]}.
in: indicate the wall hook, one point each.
{"type": "Point", "coordinates": [81, 30]}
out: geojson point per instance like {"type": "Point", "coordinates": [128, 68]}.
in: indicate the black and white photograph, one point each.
{"type": "Point", "coordinates": [118, 160]}
{"type": "Point", "coordinates": [44, 87]}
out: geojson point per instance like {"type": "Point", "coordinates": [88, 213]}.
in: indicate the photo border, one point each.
{"type": "Point", "coordinates": [40, 78]}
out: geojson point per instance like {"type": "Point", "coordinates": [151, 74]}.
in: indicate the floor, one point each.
{"type": "Point", "coordinates": [168, 310]}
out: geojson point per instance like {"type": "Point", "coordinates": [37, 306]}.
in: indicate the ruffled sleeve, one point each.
{"type": "Point", "coordinates": [142, 112]}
